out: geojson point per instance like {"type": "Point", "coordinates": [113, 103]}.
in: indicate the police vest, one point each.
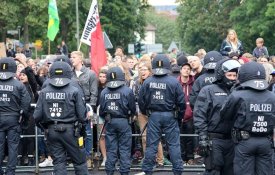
{"type": "Point", "coordinates": [58, 106]}
{"type": "Point", "coordinates": [114, 104]}
{"type": "Point", "coordinates": [259, 119]}
{"type": "Point", "coordinates": [158, 95]}
{"type": "Point", "coordinates": [6, 95]}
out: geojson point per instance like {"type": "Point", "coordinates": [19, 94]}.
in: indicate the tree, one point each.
{"type": "Point", "coordinates": [256, 21]}
{"type": "Point", "coordinates": [8, 17]}
{"type": "Point", "coordinates": [121, 19]}
{"type": "Point", "coordinates": [203, 24]}
{"type": "Point", "coordinates": [166, 28]}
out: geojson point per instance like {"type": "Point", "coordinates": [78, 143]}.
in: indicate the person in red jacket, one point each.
{"type": "Point", "coordinates": [187, 127]}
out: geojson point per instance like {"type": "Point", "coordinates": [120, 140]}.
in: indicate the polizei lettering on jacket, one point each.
{"type": "Point", "coordinates": [115, 96]}
{"type": "Point", "coordinates": [6, 88]}
{"type": "Point", "coordinates": [55, 96]}
{"type": "Point", "coordinates": [261, 107]}
{"type": "Point", "coordinates": [157, 85]}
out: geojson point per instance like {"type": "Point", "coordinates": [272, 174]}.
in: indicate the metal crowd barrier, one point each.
{"type": "Point", "coordinates": [35, 168]}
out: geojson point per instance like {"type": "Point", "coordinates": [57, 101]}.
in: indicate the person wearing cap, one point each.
{"type": "Point", "coordinates": [210, 60]}
{"type": "Point", "coordinates": [14, 104]}
{"type": "Point", "coordinates": [187, 126]}
{"type": "Point", "coordinates": [117, 106]}
{"type": "Point", "coordinates": [60, 111]}
{"type": "Point", "coordinates": [215, 143]}
{"type": "Point", "coordinates": [161, 98]}
{"type": "Point", "coordinates": [250, 112]}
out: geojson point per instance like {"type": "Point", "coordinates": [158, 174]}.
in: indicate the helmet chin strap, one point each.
{"type": "Point", "coordinates": [228, 83]}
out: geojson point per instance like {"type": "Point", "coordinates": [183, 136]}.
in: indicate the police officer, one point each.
{"type": "Point", "coordinates": [251, 107]}
{"type": "Point", "coordinates": [117, 104]}
{"type": "Point", "coordinates": [215, 142]}
{"type": "Point", "coordinates": [161, 98]}
{"type": "Point", "coordinates": [13, 99]}
{"type": "Point", "coordinates": [210, 60]}
{"type": "Point", "coordinates": [61, 110]}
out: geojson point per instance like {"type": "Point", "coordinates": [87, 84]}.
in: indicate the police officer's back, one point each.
{"type": "Point", "coordinates": [61, 110]}
{"type": "Point", "coordinates": [210, 60]}
{"type": "Point", "coordinates": [13, 99]}
{"type": "Point", "coordinates": [117, 105]}
{"type": "Point", "coordinates": [160, 97]}
{"type": "Point", "coordinates": [214, 134]}
{"type": "Point", "coordinates": [252, 109]}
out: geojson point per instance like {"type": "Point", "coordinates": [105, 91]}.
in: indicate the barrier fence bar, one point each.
{"type": "Point", "coordinates": [36, 169]}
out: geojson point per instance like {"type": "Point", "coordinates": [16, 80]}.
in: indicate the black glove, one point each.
{"type": "Point", "coordinates": [83, 130]}
{"type": "Point", "coordinates": [203, 146]}
{"type": "Point", "coordinates": [24, 120]}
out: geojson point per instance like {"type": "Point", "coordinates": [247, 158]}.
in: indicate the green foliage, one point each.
{"type": "Point", "coordinates": [8, 16]}
{"type": "Point", "coordinates": [257, 20]}
{"type": "Point", "coordinates": [120, 19]}
{"type": "Point", "coordinates": [204, 23]}
{"type": "Point", "coordinates": [166, 28]}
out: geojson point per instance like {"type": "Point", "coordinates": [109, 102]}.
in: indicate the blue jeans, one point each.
{"type": "Point", "coordinates": [42, 147]}
{"type": "Point", "coordinates": [89, 139]}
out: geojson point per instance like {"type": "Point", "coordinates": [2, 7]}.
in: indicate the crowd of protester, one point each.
{"type": "Point", "coordinates": [187, 68]}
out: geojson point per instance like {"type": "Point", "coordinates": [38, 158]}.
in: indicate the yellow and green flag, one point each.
{"type": "Point", "coordinates": [53, 25]}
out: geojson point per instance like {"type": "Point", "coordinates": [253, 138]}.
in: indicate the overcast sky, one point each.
{"type": "Point", "coordinates": [162, 2]}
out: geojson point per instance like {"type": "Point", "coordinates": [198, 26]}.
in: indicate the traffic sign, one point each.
{"type": "Point", "coordinates": [156, 48]}
{"type": "Point", "coordinates": [131, 48]}
{"type": "Point", "coordinates": [172, 46]}
{"type": "Point", "coordinates": [107, 42]}
{"type": "Point", "coordinates": [12, 32]}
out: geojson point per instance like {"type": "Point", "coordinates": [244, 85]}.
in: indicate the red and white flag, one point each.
{"type": "Point", "coordinates": [92, 35]}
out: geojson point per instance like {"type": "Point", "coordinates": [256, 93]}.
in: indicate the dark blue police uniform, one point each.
{"type": "Point", "coordinates": [117, 104]}
{"type": "Point", "coordinates": [160, 98]}
{"type": "Point", "coordinates": [215, 142]}
{"type": "Point", "coordinates": [13, 98]}
{"type": "Point", "coordinates": [61, 110]}
{"type": "Point", "coordinates": [251, 107]}
{"type": "Point", "coordinates": [210, 61]}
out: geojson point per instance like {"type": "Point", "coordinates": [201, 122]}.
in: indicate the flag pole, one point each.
{"type": "Point", "coordinates": [79, 46]}
{"type": "Point", "coordinates": [35, 52]}
{"type": "Point", "coordinates": [49, 47]}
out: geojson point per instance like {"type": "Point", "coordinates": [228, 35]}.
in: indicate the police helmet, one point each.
{"type": "Point", "coordinates": [115, 77]}
{"type": "Point", "coordinates": [7, 68]}
{"type": "Point", "coordinates": [252, 75]}
{"type": "Point", "coordinates": [60, 74]}
{"type": "Point", "coordinates": [211, 58]}
{"type": "Point", "coordinates": [161, 65]}
{"type": "Point", "coordinates": [63, 58]}
{"type": "Point", "coordinates": [226, 65]}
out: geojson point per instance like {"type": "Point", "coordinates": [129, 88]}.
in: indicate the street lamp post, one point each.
{"type": "Point", "coordinates": [19, 29]}
{"type": "Point", "coordinates": [77, 22]}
